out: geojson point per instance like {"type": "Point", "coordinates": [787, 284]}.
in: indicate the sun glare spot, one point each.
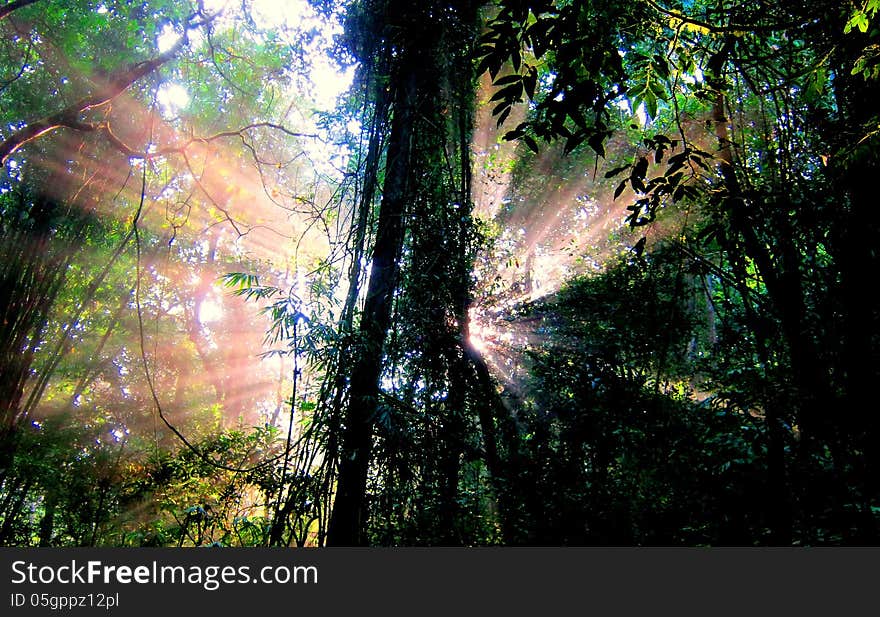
{"type": "Point", "coordinates": [477, 343]}
{"type": "Point", "coordinates": [480, 334]}
{"type": "Point", "coordinates": [167, 39]}
{"type": "Point", "coordinates": [215, 6]}
{"type": "Point", "coordinates": [210, 311]}
{"type": "Point", "coordinates": [641, 115]}
{"type": "Point", "coordinates": [172, 98]}
{"type": "Point", "coordinates": [272, 14]}
{"type": "Point", "coordinates": [329, 82]}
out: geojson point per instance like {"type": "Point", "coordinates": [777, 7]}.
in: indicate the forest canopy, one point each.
{"type": "Point", "coordinates": [548, 272]}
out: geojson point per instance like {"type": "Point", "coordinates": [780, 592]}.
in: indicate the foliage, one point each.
{"type": "Point", "coordinates": [61, 486]}
{"type": "Point", "coordinates": [184, 499]}
{"type": "Point", "coordinates": [227, 318]}
{"type": "Point", "coordinates": [617, 462]}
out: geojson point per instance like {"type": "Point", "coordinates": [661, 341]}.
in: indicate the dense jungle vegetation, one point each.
{"type": "Point", "coordinates": [554, 272]}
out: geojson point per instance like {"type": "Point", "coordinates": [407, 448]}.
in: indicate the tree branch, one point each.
{"type": "Point", "coordinates": [24, 65]}
{"type": "Point", "coordinates": [718, 29]}
{"type": "Point", "coordinates": [12, 6]}
{"type": "Point", "coordinates": [69, 117]}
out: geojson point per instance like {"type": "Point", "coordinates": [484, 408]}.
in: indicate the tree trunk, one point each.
{"type": "Point", "coordinates": [347, 523]}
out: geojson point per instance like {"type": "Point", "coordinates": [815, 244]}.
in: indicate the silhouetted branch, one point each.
{"type": "Point", "coordinates": [717, 28]}
{"type": "Point", "coordinates": [13, 6]}
{"type": "Point", "coordinates": [69, 117]}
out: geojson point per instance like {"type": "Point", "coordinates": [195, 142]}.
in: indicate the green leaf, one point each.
{"type": "Point", "coordinates": [858, 20]}
{"type": "Point", "coordinates": [650, 101]}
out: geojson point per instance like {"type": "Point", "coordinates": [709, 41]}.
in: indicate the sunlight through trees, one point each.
{"type": "Point", "coordinates": [447, 273]}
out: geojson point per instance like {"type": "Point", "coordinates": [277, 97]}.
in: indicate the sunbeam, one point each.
{"type": "Point", "coordinates": [550, 220]}
{"type": "Point", "coordinates": [218, 199]}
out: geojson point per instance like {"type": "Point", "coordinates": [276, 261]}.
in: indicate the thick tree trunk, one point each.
{"type": "Point", "coordinates": [347, 523]}
{"type": "Point", "coordinates": [424, 50]}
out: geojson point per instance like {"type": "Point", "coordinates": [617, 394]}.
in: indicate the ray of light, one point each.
{"type": "Point", "coordinates": [553, 222]}
{"type": "Point", "coordinates": [222, 200]}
